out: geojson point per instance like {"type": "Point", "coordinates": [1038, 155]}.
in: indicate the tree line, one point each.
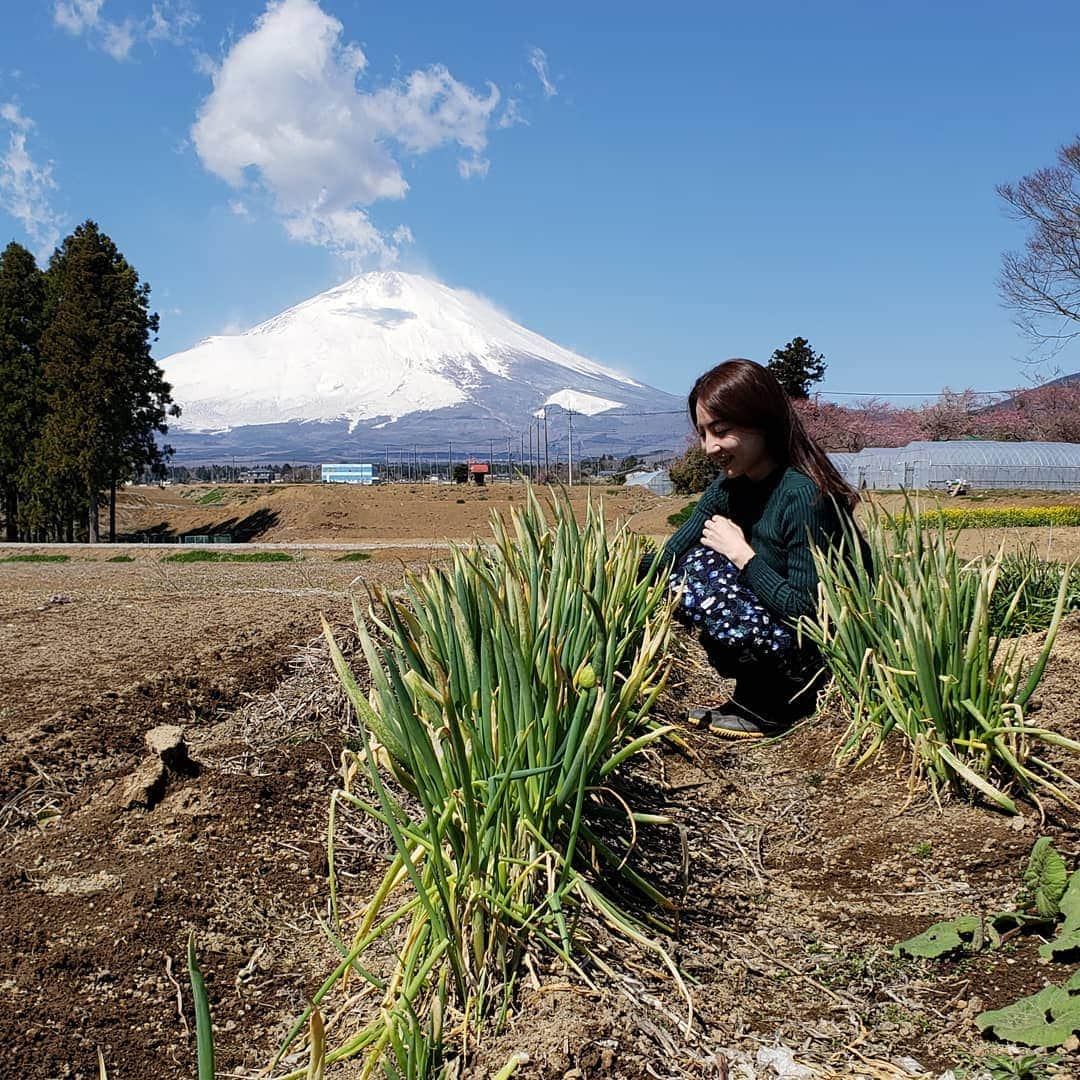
{"type": "Point", "coordinates": [82, 401]}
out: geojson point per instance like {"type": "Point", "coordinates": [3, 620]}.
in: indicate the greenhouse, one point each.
{"type": "Point", "coordinates": [657, 481]}
{"type": "Point", "coordinates": [969, 463]}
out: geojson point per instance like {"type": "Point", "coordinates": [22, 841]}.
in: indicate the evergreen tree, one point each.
{"type": "Point", "coordinates": [797, 367]}
{"type": "Point", "coordinates": [106, 396]}
{"type": "Point", "coordinates": [22, 316]}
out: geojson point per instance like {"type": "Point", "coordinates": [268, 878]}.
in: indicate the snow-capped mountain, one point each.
{"type": "Point", "coordinates": [391, 359]}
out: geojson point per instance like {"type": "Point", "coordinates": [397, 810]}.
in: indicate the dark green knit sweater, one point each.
{"type": "Point", "coordinates": [781, 517]}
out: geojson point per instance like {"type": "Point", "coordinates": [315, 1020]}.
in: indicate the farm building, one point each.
{"type": "Point", "coordinates": [657, 481]}
{"type": "Point", "coordinates": [976, 464]}
{"type": "Point", "coordinates": [350, 474]}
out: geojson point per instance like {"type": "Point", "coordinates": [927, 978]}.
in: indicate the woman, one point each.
{"type": "Point", "coordinates": [744, 560]}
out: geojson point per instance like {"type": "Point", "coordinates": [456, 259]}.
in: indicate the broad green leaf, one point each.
{"type": "Point", "coordinates": [1068, 938]}
{"type": "Point", "coordinates": [1070, 901]}
{"type": "Point", "coordinates": [1046, 877]}
{"type": "Point", "coordinates": [1047, 1018]}
{"type": "Point", "coordinates": [1067, 941]}
{"type": "Point", "coordinates": [944, 937]}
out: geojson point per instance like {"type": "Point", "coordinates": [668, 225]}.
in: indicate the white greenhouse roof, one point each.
{"type": "Point", "coordinates": [978, 463]}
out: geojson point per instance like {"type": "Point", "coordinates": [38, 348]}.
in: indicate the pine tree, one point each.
{"type": "Point", "coordinates": [797, 367]}
{"type": "Point", "coordinates": [22, 316]}
{"type": "Point", "coordinates": [106, 396]}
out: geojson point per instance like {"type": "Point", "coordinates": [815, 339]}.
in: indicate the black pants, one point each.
{"type": "Point", "coordinates": [781, 692]}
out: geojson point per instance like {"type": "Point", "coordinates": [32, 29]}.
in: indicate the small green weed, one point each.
{"type": "Point", "coordinates": [681, 516]}
{"type": "Point", "coordinates": [211, 497]}
{"type": "Point", "coordinates": [202, 555]}
{"type": "Point", "coordinates": [35, 558]}
{"type": "Point", "coordinates": [354, 556]}
{"type": "Point", "coordinates": [121, 558]}
{"type": "Point", "coordinates": [922, 850]}
{"type": "Point", "coordinates": [1004, 1067]}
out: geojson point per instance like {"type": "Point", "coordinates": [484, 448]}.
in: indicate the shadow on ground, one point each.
{"type": "Point", "coordinates": [239, 530]}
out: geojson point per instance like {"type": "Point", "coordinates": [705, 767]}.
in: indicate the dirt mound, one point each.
{"type": "Point", "coordinates": [290, 513]}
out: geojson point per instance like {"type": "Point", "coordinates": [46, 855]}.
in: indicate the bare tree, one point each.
{"type": "Point", "coordinates": [1042, 282]}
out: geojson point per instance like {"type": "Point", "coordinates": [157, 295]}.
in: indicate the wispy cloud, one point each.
{"type": "Point", "coordinates": [539, 61]}
{"type": "Point", "coordinates": [168, 21]}
{"type": "Point", "coordinates": [511, 114]}
{"type": "Point", "coordinates": [25, 186]}
{"type": "Point", "coordinates": [171, 21]}
{"type": "Point", "coordinates": [474, 166]}
{"type": "Point", "coordinates": [285, 116]}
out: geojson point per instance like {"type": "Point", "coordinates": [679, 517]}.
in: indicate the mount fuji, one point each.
{"type": "Point", "coordinates": [391, 361]}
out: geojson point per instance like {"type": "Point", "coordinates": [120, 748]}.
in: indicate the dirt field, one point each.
{"type": "Point", "coordinates": [801, 878]}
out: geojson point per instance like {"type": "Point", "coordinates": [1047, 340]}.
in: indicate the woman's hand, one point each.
{"type": "Point", "coordinates": [723, 535]}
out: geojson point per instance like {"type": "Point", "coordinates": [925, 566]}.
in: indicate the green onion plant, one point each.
{"type": "Point", "coordinates": [913, 646]}
{"type": "Point", "coordinates": [1035, 583]}
{"type": "Point", "coordinates": [507, 688]}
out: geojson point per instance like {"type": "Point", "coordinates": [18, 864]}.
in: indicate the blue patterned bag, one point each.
{"type": "Point", "coordinates": [716, 603]}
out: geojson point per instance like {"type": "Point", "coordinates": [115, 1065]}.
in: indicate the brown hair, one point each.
{"type": "Point", "coordinates": [748, 395]}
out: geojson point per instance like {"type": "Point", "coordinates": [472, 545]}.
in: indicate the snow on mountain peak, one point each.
{"type": "Point", "coordinates": [380, 347]}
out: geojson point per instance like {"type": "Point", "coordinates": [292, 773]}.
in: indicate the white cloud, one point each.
{"type": "Point", "coordinates": [511, 114]}
{"type": "Point", "coordinates": [25, 186]}
{"type": "Point", "coordinates": [285, 116]}
{"type": "Point", "coordinates": [77, 16]}
{"type": "Point", "coordinates": [538, 60]}
{"type": "Point", "coordinates": [474, 166]}
{"type": "Point", "coordinates": [205, 64]}
{"type": "Point", "coordinates": [9, 111]}
{"type": "Point", "coordinates": [169, 20]}
{"type": "Point", "coordinates": [239, 208]}
{"type": "Point", "coordinates": [117, 39]}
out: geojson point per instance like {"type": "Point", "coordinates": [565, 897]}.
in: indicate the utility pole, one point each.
{"type": "Point", "coordinates": [386, 475]}
{"type": "Point", "coordinates": [570, 448]}
{"type": "Point", "coordinates": [547, 460]}
{"type": "Point", "coordinates": [529, 468]}
{"type": "Point", "coordinates": [523, 473]}
{"type": "Point", "coordinates": [450, 461]}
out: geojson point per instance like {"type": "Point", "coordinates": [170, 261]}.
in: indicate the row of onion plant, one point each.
{"type": "Point", "coordinates": [917, 639]}
{"type": "Point", "coordinates": [506, 689]}
{"type": "Point", "coordinates": [1035, 583]}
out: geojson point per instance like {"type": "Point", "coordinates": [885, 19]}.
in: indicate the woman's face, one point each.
{"type": "Point", "coordinates": [738, 451]}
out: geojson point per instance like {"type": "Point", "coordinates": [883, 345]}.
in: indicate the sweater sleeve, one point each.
{"type": "Point", "coordinates": [810, 520]}
{"type": "Point", "coordinates": [714, 500]}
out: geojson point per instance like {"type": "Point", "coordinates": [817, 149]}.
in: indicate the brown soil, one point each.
{"type": "Point", "coordinates": [295, 513]}
{"type": "Point", "coordinates": [801, 877]}
{"type": "Point", "coordinates": [291, 513]}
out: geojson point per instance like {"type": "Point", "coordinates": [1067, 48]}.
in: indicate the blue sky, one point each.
{"type": "Point", "coordinates": [656, 186]}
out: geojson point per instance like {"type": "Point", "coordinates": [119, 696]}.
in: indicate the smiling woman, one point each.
{"type": "Point", "coordinates": [743, 563]}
